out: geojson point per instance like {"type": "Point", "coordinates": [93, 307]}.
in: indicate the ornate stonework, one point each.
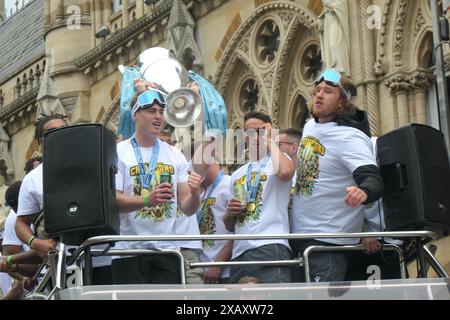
{"type": "Point", "coordinates": [181, 40]}
{"type": "Point", "coordinates": [400, 21]}
{"type": "Point", "coordinates": [390, 71]}
{"type": "Point", "coordinates": [420, 22]}
{"type": "Point", "coordinates": [292, 18]}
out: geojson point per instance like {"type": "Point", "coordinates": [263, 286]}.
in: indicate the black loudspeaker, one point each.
{"type": "Point", "coordinates": [80, 163]}
{"type": "Point", "coordinates": [415, 168]}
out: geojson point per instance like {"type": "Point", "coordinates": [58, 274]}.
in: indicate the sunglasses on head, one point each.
{"type": "Point", "coordinates": [148, 98]}
{"type": "Point", "coordinates": [332, 78]}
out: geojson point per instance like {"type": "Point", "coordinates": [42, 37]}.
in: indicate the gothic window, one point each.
{"type": "Point", "coordinates": [267, 42]}
{"type": "Point", "coordinates": [249, 96]}
{"type": "Point", "coordinates": [17, 88]}
{"type": "Point", "coordinates": [311, 63]}
{"type": "Point", "coordinates": [301, 113]}
{"type": "Point", "coordinates": [31, 78]}
{"type": "Point", "coordinates": [25, 83]}
{"type": "Point", "coordinates": [188, 59]}
{"type": "Point", "coordinates": [38, 75]}
{"type": "Point", "coordinates": [116, 5]}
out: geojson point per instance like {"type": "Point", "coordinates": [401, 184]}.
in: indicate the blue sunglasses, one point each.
{"type": "Point", "coordinates": [332, 78]}
{"type": "Point", "coordinates": [147, 99]}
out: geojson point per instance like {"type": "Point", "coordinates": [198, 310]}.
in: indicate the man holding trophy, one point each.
{"type": "Point", "coordinates": [152, 179]}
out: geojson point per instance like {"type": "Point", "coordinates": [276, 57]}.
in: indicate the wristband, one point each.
{"type": "Point", "coordinates": [9, 260]}
{"type": "Point", "coordinates": [30, 240]}
{"type": "Point", "coordinates": [145, 200]}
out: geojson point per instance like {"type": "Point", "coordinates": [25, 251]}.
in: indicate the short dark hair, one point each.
{"type": "Point", "coordinates": [29, 164]}
{"type": "Point", "coordinates": [39, 123]}
{"type": "Point", "coordinates": [293, 133]}
{"type": "Point", "coordinates": [257, 115]}
{"type": "Point", "coordinates": [12, 195]}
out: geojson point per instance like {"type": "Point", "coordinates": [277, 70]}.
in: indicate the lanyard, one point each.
{"type": "Point", "coordinates": [253, 189]}
{"type": "Point", "coordinates": [206, 197]}
{"type": "Point", "coordinates": [144, 175]}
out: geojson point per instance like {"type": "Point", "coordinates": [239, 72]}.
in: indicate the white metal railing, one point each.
{"type": "Point", "coordinates": [419, 236]}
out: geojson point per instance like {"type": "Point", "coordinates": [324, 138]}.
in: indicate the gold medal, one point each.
{"type": "Point", "coordinates": [145, 192]}
{"type": "Point", "coordinates": [251, 207]}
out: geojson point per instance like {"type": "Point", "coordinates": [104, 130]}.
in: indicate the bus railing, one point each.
{"type": "Point", "coordinates": [83, 252]}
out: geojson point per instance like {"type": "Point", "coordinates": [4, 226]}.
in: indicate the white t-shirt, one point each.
{"type": "Point", "coordinates": [158, 220]}
{"type": "Point", "coordinates": [31, 201]}
{"type": "Point", "coordinates": [327, 157]}
{"type": "Point", "coordinates": [269, 213]}
{"type": "Point", "coordinates": [212, 220]}
{"type": "Point", "coordinates": [10, 236]}
{"type": "Point", "coordinates": [31, 193]}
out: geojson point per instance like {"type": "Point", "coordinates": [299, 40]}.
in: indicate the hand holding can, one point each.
{"type": "Point", "coordinates": [240, 193]}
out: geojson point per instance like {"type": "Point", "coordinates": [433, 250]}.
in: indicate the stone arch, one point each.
{"type": "Point", "coordinates": [406, 77]}
{"type": "Point", "coordinates": [298, 113]}
{"type": "Point", "coordinates": [404, 23]}
{"type": "Point", "coordinates": [31, 78]}
{"type": "Point", "coordinates": [18, 86]}
{"type": "Point", "coordinates": [188, 58]}
{"type": "Point", "coordinates": [292, 20]}
{"type": "Point", "coordinates": [33, 149]}
{"type": "Point", "coordinates": [423, 53]}
{"type": "Point", "coordinates": [25, 82]}
{"type": "Point", "coordinates": [110, 117]}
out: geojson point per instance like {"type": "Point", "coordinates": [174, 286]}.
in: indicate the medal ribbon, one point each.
{"type": "Point", "coordinates": [205, 199]}
{"type": "Point", "coordinates": [144, 175]}
{"type": "Point", "coordinates": [253, 189]}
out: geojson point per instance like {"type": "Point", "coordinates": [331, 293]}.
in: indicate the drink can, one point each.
{"type": "Point", "coordinates": [240, 193]}
{"type": "Point", "coordinates": [165, 177]}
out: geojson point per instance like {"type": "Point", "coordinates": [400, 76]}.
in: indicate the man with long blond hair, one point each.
{"type": "Point", "coordinates": [336, 174]}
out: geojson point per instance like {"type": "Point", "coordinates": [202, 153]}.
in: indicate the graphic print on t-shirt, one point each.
{"type": "Point", "coordinates": [252, 211]}
{"type": "Point", "coordinates": [208, 223]}
{"type": "Point", "coordinates": [308, 165]}
{"type": "Point", "coordinates": [161, 212]}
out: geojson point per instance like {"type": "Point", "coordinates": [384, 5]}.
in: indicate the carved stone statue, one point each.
{"type": "Point", "coordinates": [5, 158]}
{"type": "Point", "coordinates": [334, 33]}
{"type": "Point", "coordinates": [4, 209]}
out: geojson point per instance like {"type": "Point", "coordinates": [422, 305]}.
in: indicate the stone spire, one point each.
{"type": "Point", "coordinates": [179, 16]}
{"type": "Point", "coordinates": [181, 40]}
{"type": "Point", "coordinates": [47, 100]}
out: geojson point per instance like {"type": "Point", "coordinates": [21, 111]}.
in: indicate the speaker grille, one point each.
{"type": "Point", "coordinates": [415, 169]}
{"type": "Point", "coordinates": [79, 197]}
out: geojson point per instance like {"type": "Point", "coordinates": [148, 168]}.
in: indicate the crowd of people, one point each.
{"type": "Point", "coordinates": [316, 181]}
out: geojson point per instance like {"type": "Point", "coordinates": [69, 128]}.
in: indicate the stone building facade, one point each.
{"type": "Point", "coordinates": [260, 54]}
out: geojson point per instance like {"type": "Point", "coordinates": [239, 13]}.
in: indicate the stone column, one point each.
{"type": "Point", "coordinates": [139, 9]}
{"type": "Point", "coordinates": [107, 13]}
{"type": "Point", "coordinates": [369, 71]}
{"type": "Point", "coordinates": [92, 13]}
{"type": "Point", "coordinates": [98, 19]}
{"type": "Point", "coordinates": [60, 9]}
{"type": "Point", "coordinates": [400, 88]}
{"type": "Point", "coordinates": [47, 12]}
{"type": "Point", "coordinates": [125, 14]}
{"type": "Point", "coordinates": [421, 82]}
{"type": "Point", "coordinates": [402, 105]}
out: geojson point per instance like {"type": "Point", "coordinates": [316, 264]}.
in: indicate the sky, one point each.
{"type": "Point", "coordinates": [12, 4]}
